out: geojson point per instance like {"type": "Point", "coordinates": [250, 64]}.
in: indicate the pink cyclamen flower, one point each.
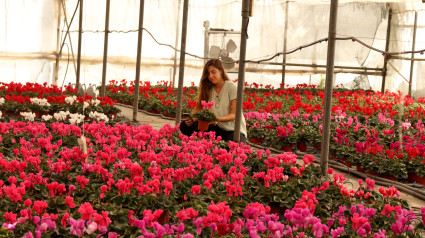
{"type": "Point", "coordinates": [196, 189]}
{"type": "Point", "coordinates": [86, 211]}
{"type": "Point", "coordinates": [69, 201]}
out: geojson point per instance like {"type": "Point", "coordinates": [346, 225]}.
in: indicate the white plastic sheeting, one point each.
{"type": "Point", "coordinates": [28, 39]}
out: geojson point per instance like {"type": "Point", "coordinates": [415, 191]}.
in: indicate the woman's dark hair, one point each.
{"type": "Point", "coordinates": [205, 85]}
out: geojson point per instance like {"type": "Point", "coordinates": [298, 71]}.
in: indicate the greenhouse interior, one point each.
{"type": "Point", "coordinates": [225, 118]}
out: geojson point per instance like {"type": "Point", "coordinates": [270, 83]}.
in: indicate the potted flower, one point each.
{"type": "Point", "coordinates": [257, 133]}
{"type": "Point", "coordinates": [283, 138]}
{"type": "Point", "coordinates": [205, 116]}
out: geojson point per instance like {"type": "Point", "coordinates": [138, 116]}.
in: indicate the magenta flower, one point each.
{"type": "Point", "coordinates": [77, 227]}
{"type": "Point", "coordinates": [380, 234]}
{"type": "Point", "coordinates": [337, 232]}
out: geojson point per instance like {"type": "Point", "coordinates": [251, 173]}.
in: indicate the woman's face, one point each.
{"type": "Point", "coordinates": [214, 75]}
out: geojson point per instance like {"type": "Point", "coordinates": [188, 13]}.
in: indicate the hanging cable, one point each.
{"type": "Point", "coordinates": [72, 18]}
{"type": "Point", "coordinates": [371, 38]}
{"type": "Point", "coordinates": [354, 39]}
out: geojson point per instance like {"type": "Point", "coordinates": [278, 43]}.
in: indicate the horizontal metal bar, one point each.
{"type": "Point", "coordinates": [324, 66]}
{"type": "Point", "coordinates": [4, 55]}
{"type": "Point", "coordinates": [312, 71]}
{"type": "Point", "coordinates": [405, 58]}
{"type": "Point", "coordinates": [223, 32]}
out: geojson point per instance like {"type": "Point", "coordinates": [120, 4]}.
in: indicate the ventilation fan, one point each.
{"type": "Point", "coordinates": [223, 54]}
{"type": "Point", "coordinates": [361, 82]}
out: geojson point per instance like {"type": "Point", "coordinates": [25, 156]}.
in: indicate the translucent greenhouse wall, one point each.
{"type": "Point", "coordinates": [29, 40]}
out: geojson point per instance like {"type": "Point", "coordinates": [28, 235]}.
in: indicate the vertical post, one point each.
{"type": "Point", "coordinates": [80, 35]}
{"type": "Point", "coordinates": [412, 59]}
{"type": "Point", "coordinates": [182, 59]}
{"type": "Point", "coordinates": [139, 56]}
{"type": "Point", "coordinates": [387, 47]}
{"type": "Point", "coordinates": [58, 55]}
{"type": "Point", "coordinates": [68, 26]}
{"type": "Point", "coordinates": [241, 72]}
{"type": "Point", "coordinates": [105, 49]}
{"type": "Point", "coordinates": [176, 43]}
{"type": "Point", "coordinates": [328, 85]}
{"type": "Point", "coordinates": [206, 40]}
{"type": "Point", "coordinates": [284, 45]}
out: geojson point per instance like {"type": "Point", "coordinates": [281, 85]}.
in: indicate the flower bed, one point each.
{"type": "Point", "coordinates": [44, 100]}
{"type": "Point", "coordinates": [382, 133]}
{"type": "Point", "coordinates": [139, 181]}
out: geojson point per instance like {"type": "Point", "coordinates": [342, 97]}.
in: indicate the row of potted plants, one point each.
{"type": "Point", "coordinates": [379, 145]}
{"type": "Point", "coordinates": [163, 97]}
{"type": "Point", "coordinates": [137, 181]}
{"type": "Point", "coordinates": [51, 99]}
{"type": "Point", "coordinates": [298, 122]}
{"type": "Point", "coordinates": [35, 89]}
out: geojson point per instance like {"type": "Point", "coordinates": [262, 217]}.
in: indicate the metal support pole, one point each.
{"type": "Point", "coordinates": [412, 62]}
{"type": "Point", "coordinates": [182, 59]}
{"type": "Point", "coordinates": [68, 26]}
{"type": "Point", "coordinates": [58, 41]}
{"type": "Point", "coordinates": [105, 49]}
{"type": "Point", "coordinates": [176, 43]}
{"type": "Point", "coordinates": [206, 40]}
{"type": "Point", "coordinates": [284, 45]}
{"type": "Point", "coordinates": [328, 85]}
{"type": "Point", "coordinates": [387, 47]}
{"type": "Point", "coordinates": [80, 35]}
{"type": "Point", "coordinates": [139, 56]}
{"type": "Point", "coordinates": [241, 73]}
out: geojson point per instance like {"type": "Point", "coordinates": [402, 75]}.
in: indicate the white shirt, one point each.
{"type": "Point", "coordinates": [222, 108]}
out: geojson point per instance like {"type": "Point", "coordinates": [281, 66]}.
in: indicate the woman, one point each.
{"type": "Point", "coordinates": [216, 86]}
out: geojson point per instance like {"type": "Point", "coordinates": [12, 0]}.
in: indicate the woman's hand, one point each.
{"type": "Point", "coordinates": [214, 123]}
{"type": "Point", "coordinates": [188, 121]}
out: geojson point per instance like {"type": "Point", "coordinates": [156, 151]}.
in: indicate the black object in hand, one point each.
{"type": "Point", "coordinates": [185, 115]}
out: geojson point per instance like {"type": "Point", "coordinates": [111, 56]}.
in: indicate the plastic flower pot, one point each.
{"type": "Point", "coordinates": [39, 114]}
{"type": "Point", "coordinates": [317, 147]}
{"type": "Point", "coordinates": [344, 161]}
{"type": "Point", "coordinates": [302, 146]}
{"type": "Point", "coordinates": [168, 115]}
{"type": "Point", "coordinates": [155, 111]}
{"type": "Point", "coordinates": [390, 177]}
{"type": "Point", "coordinates": [413, 177]}
{"type": "Point", "coordinates": [164, 218]}
{"type": "Point", "coordinates": [257, 141]}
{"type": "Point", "coordinates": [359, 168]}
{"type": "Point", "coordinates": [287, 148]}
{"type": "Point", "coordinates": [203, 125]}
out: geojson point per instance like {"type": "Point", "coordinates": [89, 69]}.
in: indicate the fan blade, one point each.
{"type": "Point", "coordinates": [224, 53]}
{"type": "Point", "coordinates": [214, 51]}
{"type": "Point", "coordinates": [231, 46]}
{"type": "Point", "coordinates": [228, 62]}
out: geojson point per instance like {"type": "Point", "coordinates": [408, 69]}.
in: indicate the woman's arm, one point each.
{"type": "Point", "coordinates": [231, 116]}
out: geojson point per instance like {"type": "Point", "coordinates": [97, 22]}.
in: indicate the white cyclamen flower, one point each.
{"type": "Point", "coordinates": [98, 116]}
{"type": "Point", "coordinates": [28, 115]}
{"type": "Point", "coordinates": [61, 116]}
{"type": "Point", "coordinates": [76, 118]}
{"type": "Point", "coordinates": [86, 105]}
{"type": "Point", "coordinates": [70, 99]}
{"type": "Point", "coordinates": [46, 117]}
{"type": "Point", "coordinates": [95, 102]}
{"type": "Point", "coordinates": [40, 101]}
{"type": "Point", "coordinates": [1, 101]}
